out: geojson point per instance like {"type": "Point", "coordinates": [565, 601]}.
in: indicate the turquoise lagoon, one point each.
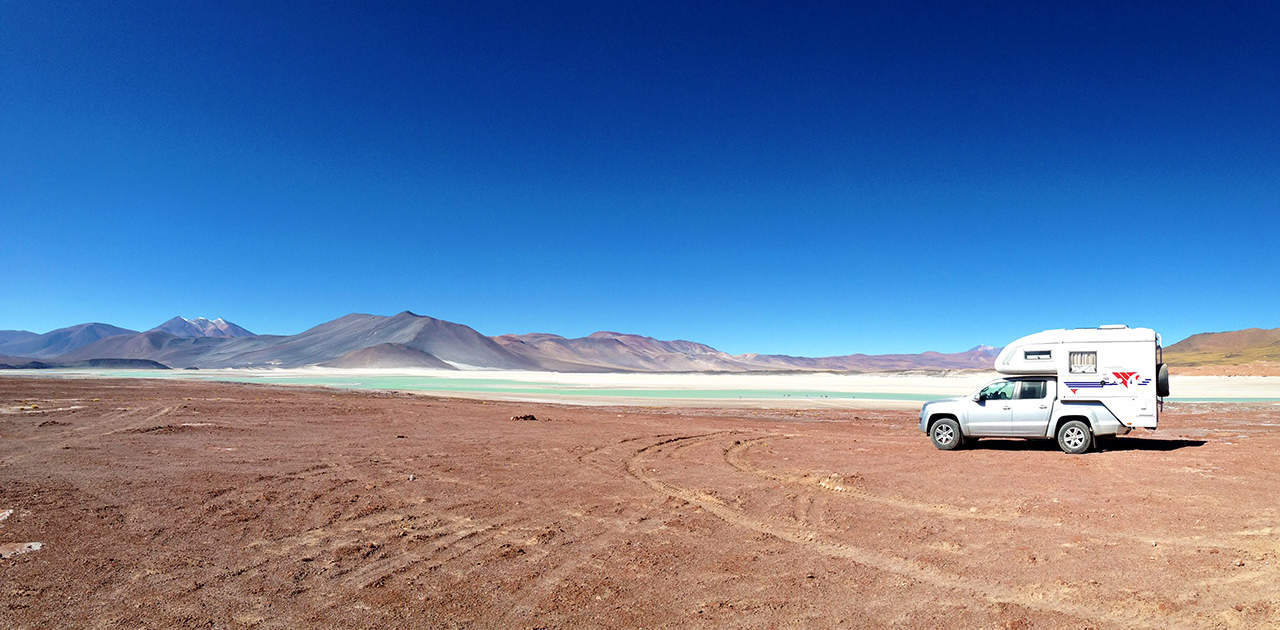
{"type": "Point", "coordinates": [554, 387]}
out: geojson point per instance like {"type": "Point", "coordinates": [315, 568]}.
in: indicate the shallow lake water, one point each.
{"type": "Point", "coordinates": [813, 388]}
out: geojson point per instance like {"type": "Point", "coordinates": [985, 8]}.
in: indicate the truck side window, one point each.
{"type": "Point", "coordinates": [1032, 389]}
{"type": "Point", "coordinates": [1084, 362]}
{"type": "Point", "coordinates": [1002, 390]}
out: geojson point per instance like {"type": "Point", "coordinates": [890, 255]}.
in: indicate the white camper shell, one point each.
{"type": "Point", "coordinates": [1115, 366]}
{"type": "Point", "coordinates": [1073, 385]}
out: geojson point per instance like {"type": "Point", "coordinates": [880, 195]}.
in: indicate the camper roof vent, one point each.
{"type": "Point", "coordinates": [1112, 326]}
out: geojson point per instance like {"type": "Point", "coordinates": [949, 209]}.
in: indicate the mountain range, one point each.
{"type": "Point", "coordinates": [411, 340]}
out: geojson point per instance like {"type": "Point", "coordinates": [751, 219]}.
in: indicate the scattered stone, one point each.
{"type": "Point", "coordinates": [525, 418]}
{"type": "Point", "coordinates": [10, 550]}
{"type": "Point", "coordinates": [412, 477]}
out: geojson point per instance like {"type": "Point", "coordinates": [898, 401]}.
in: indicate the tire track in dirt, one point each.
{"type": "Point", "coordinates": [810, 540]}
{"type": "Point", "coordinates": [454, 546]}
{"type": "Point", "coordinates": [834, 483]}
{"type": "Point", "coordinates": [527, 596]}
{"type": "Point", "coordinates": [589, 458]}
{"type": "Point", "coordinates": [837, 484]}
{"type": "Point", "coordinates": [74, 434]}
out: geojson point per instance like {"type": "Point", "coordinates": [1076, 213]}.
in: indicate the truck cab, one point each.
{"type": "Point", "coordinates": [1073, 385]}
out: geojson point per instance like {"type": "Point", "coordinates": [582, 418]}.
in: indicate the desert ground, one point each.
{"type": "Point", "coordinates": [183, 504]}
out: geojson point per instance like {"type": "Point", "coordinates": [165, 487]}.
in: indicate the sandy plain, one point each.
{"type": "Point", "coordinates": [197, 504]}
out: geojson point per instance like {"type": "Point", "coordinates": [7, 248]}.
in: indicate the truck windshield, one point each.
{"type": "Point", "coordinates": [1002, 390]}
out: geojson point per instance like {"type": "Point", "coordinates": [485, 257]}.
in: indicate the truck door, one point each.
{"type": "Point", "coordinates": [1031, 406]}
{"type": "Point", "coordinates": [990, 414]}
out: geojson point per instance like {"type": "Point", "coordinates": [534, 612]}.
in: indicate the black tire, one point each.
{"type": "Point", "coordinates": [945, 434]}
{"type": "Point", "coordinates": [1162, 380]}
{"type": "Point", "coordinates": [1075, 437]}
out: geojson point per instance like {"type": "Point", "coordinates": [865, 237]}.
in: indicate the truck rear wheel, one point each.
{"type": "Point", "coordinates": [946, 434]}
{"type": "Point", "coordinates": [1075, 437]}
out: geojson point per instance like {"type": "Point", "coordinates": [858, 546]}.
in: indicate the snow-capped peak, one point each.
{"type": "Point", "coordinates": [202, 327]}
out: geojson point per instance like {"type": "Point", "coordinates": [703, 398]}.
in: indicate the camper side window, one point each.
{"type": "Point", "coordinates": [1037, 355]}
{"type": "Point", "coordinates": [1084, 362]}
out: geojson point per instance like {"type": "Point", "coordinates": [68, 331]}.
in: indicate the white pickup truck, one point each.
{"type": "Point", "coordinates": [1070, 385]}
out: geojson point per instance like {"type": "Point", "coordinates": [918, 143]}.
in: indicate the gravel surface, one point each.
{"type": "Point", "coordinates": [177, 504]}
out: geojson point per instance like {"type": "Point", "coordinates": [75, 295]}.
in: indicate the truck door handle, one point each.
{"type": "Point", "coordinates": [1006, 408]}
{"type": "Point", "coordinates": [1044, 406]}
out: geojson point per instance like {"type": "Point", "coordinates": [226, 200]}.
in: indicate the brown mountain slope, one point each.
{"type": "Point", "coordinates": [978, 357]}
{"type": "Point", "coordinates": [1235, 347]}
{"type": "Point", "coordinates": [388, 355]}
{"type": "Point", "coordinates": [611, 351]}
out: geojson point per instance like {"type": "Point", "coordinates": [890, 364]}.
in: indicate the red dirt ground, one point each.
{"type": "Point", "coordinates": [176, 504]}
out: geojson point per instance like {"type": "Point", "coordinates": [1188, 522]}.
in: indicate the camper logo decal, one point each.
{"type": "Point", "coordinates": [1124, 377]}
{"type": "Point", "coordinates": [1121, 378]}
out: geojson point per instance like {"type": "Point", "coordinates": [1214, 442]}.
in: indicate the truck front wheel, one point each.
{"type": "Point", "coordinates": [1074, 437]}
{"type": "Point", "coordinates": [946, 434]}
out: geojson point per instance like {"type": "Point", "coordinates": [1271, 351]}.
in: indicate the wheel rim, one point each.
{"type": "Point", "coordinates": [944, 434]}
{"type": "Point", "coordinates": [1073, 437]}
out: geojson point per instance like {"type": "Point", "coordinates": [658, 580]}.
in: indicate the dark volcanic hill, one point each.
{"type": "Point", "coordinates": [60, 341]}
{"type": "Point", "coordinates": [13, 363]}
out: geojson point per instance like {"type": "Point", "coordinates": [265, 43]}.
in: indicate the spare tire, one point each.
{"type": "Point", "coordinates": [1162, 380]}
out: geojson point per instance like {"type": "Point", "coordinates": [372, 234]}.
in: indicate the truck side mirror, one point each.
{"type": "Point", "coordinates": [977, 397]}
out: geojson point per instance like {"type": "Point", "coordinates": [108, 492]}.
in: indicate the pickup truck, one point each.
{"type": "Point", "coordinates": [1022, 406]}
{"type": "Point", "coordinates": [1072, 385]}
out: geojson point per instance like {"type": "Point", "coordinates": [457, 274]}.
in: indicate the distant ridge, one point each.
{"type": "Point", "coordinates": [10, 336]}
{"type": "Point", "coordinates": [611, 351]}
{"type": "Point", "coordinates": [57, 342]}
{"type": "Point", "coordinates": [409, 340]}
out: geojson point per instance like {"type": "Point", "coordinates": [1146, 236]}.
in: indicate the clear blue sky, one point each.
{"type": "Point", "coordinates": [818, 180]}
